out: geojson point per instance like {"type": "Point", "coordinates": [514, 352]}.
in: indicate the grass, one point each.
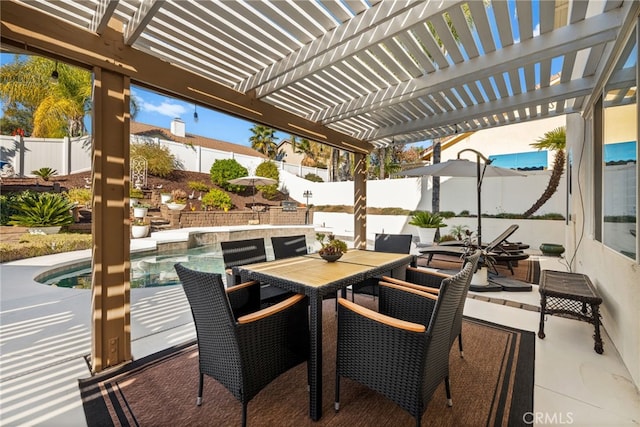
{"type": "Point", "coordinates": [32, 245]}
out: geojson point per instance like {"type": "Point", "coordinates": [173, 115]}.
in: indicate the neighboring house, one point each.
{"type": "Point", "coordinates": [178, 133]}
{"type": "Point", "coordinates": [288, 153]}
{"type": "Point", "coordinates": [508, 146]}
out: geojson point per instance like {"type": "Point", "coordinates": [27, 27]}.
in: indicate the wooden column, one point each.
{"type": "Point", "coordinates": [111, 333]}
{"type": "Point", "coordinates": [360, 202]}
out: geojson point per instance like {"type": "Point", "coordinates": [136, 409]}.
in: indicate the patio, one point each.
{"type": "Point", "coordinates": [46, 339]}
{"type": "Point", "coordinates": [355, 76]}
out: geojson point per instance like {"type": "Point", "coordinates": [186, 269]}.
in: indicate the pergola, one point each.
{"type": "Point", "coordinates": [353, 74]}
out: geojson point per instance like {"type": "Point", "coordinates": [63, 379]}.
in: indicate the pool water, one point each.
{"type": "Point", "coordinates": [149, 270]}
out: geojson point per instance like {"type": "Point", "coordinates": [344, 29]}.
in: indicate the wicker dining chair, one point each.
{"type": "Point", "coordinates": [289, 246]}
{"type": "Point", "coordinates": [243, 353]}
{"type": "Point", "coordinates": [403, 361]}
{"type": "Point", "coordinates": [389, 243]}
{"type": "Point", "coordinates": [249, 251]}
{"type": "Point", "coordinates": [427, 281]}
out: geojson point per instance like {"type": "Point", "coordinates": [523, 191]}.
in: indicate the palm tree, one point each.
{"type": "Point", "coordinates": [46, 107]}
{"type": "Point", "coordinates": [264, 140]}
{"type": "Point", "coordinates": [556, 140]}
{"type": "Point", "coordinates": [57, 107]}
{"type": "Point", "coordinates": [305, 147]}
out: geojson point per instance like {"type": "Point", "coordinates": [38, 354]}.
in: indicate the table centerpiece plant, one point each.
{"type": "Point", "coordinates": [331, 248]}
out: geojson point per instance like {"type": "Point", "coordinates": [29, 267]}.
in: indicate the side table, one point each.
{"type": "Point", "coordinates": [573, 295]}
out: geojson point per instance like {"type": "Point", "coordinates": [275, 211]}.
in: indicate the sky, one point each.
{"type": "Point", "coordinates": [160, 110]}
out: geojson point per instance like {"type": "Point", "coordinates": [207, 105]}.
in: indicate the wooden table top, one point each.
{"type": "Point", "coordinates": [312, 271]}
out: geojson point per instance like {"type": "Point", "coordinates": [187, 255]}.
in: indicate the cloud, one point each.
{"type": "Point", "coordinates": [166, 107]}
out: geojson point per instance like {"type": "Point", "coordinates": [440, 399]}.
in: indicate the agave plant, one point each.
{"type": "Point", "coordinates": [426, 219]}
{"type": "Point", "coordinates": [45, 173]}
{"type": "Point", "coordinates": [42, 210]}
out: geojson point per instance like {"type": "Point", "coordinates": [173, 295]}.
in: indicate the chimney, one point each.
{"type": "Point", "coordinates": [178, 127]}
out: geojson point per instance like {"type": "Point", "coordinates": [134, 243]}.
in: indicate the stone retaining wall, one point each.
{"type": "Point", "coordinates": [273, 216]}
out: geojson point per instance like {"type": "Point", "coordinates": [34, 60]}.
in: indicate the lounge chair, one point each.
{"type": "Point", "coordinates": [494, 249]}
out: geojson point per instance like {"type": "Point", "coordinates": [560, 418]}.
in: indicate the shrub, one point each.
{"type": "Point", "coordinates": [198, 186]}
{"type": "Point", "coordinates": [268, 170]}
{"type": "Point", "coordinates": [160, 161]}
{"type": "Point", "coordinates": [217, 199]}
{"type": "Point", "coordinates": [45, 173]}
{"type": "Point", "coordinates": [82, 196]}
{"type": "Point", "coordinates": [8, 207]}
{"type": "Point", "coordinates": [447, 214]}
{"type": "Point", "coordinates": [224, 170]}
{"type": "Point", "coordinates": [313, 177]}
{"type": "Point", "coordinates": [460, 232]}
{"type": "Point", "coordinates": [136, 193]}
{"type": "Point", "coordinates": [42, 210]}
{"type": "Point", "coordinates": [387, 211]}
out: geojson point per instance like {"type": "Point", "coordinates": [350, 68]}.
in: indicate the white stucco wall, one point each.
{"type": "Point", "coordinates": [617, 277]}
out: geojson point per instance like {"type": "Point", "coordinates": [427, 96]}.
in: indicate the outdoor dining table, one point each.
{"type": "Point", "coordinates": [316, 278]}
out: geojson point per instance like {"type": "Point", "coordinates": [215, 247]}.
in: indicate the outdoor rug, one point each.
{"type": "Point", "coordinates": [491, 386]}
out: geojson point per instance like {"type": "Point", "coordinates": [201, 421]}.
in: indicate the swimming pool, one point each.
{"type": "Point", "coordinates": [148, 270]}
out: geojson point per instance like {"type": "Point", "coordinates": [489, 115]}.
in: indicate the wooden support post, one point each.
{"type": "Point", "coordinates": [111, 329]}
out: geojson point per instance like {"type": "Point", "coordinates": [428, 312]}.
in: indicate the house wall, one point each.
{"type": "Point", "coordinates": [506, 140]}
{"type": "Point", "coordinates": [617, 277]}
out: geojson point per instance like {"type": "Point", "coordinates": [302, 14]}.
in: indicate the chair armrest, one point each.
{"type": "Point", "coordinates": [411, 285]}
{"type": "Point", "coordinates": [241, 286]}
{"type": "Point", "coordinates": [381, 318]}
{"type": "Point", "coordinates": [421, 276]}
{"type": "Point", "coordinates": [270, 311]}
{"type": "Point", "coordinates": [414, 289]}
{"type": "Point", "coordinates": [429, 272]}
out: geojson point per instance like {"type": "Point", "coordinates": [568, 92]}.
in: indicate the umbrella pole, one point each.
{"type": "Point", "coordinates": [479, 191]}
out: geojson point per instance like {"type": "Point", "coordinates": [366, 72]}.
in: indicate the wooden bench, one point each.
{"type": "Point", "coordinates": [572, 295]}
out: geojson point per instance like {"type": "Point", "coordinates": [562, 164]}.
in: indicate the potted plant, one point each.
{"type": "Point", "coordinates": [140, 210]}
{"type": "Point", "coordinates": [43, 213]}
{"type": "Point", "coordinates": [139, 228]}
{"type": "Point", "coordinates": [178, 200]}
{"type": "Point", "coordinates": [135, 194]}
{"type": "Point", "coordinates": [165, 197]}
{"type": "Point", "coordinates": [332, 249]}
{"type": "Point", "coordinates": [427, 223]}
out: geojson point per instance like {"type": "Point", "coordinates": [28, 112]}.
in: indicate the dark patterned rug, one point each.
{"type": "Point", "coordinates": [491, 386]}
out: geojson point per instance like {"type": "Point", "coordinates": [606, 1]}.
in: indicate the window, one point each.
{"type": "Point", "coordinates": [620, 154]}
{"type": "Point", "coordinates": [529, 161]}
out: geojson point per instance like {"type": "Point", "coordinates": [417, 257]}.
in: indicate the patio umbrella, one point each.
{"type": "Point", "coordinates": [253, 181]}
{"type": "Point", "coordinates": [464, 168]}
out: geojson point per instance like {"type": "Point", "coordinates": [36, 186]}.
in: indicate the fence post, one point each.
{"type": "Point", "coordinates": [66, 155]}
{"type": "Point", "coordinates": [20, 157]}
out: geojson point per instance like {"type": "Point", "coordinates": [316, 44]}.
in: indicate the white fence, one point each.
{"type": "Point", "coordinates": [69, 155]}
{"type": "Point", "coordinates": [502, 194]}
